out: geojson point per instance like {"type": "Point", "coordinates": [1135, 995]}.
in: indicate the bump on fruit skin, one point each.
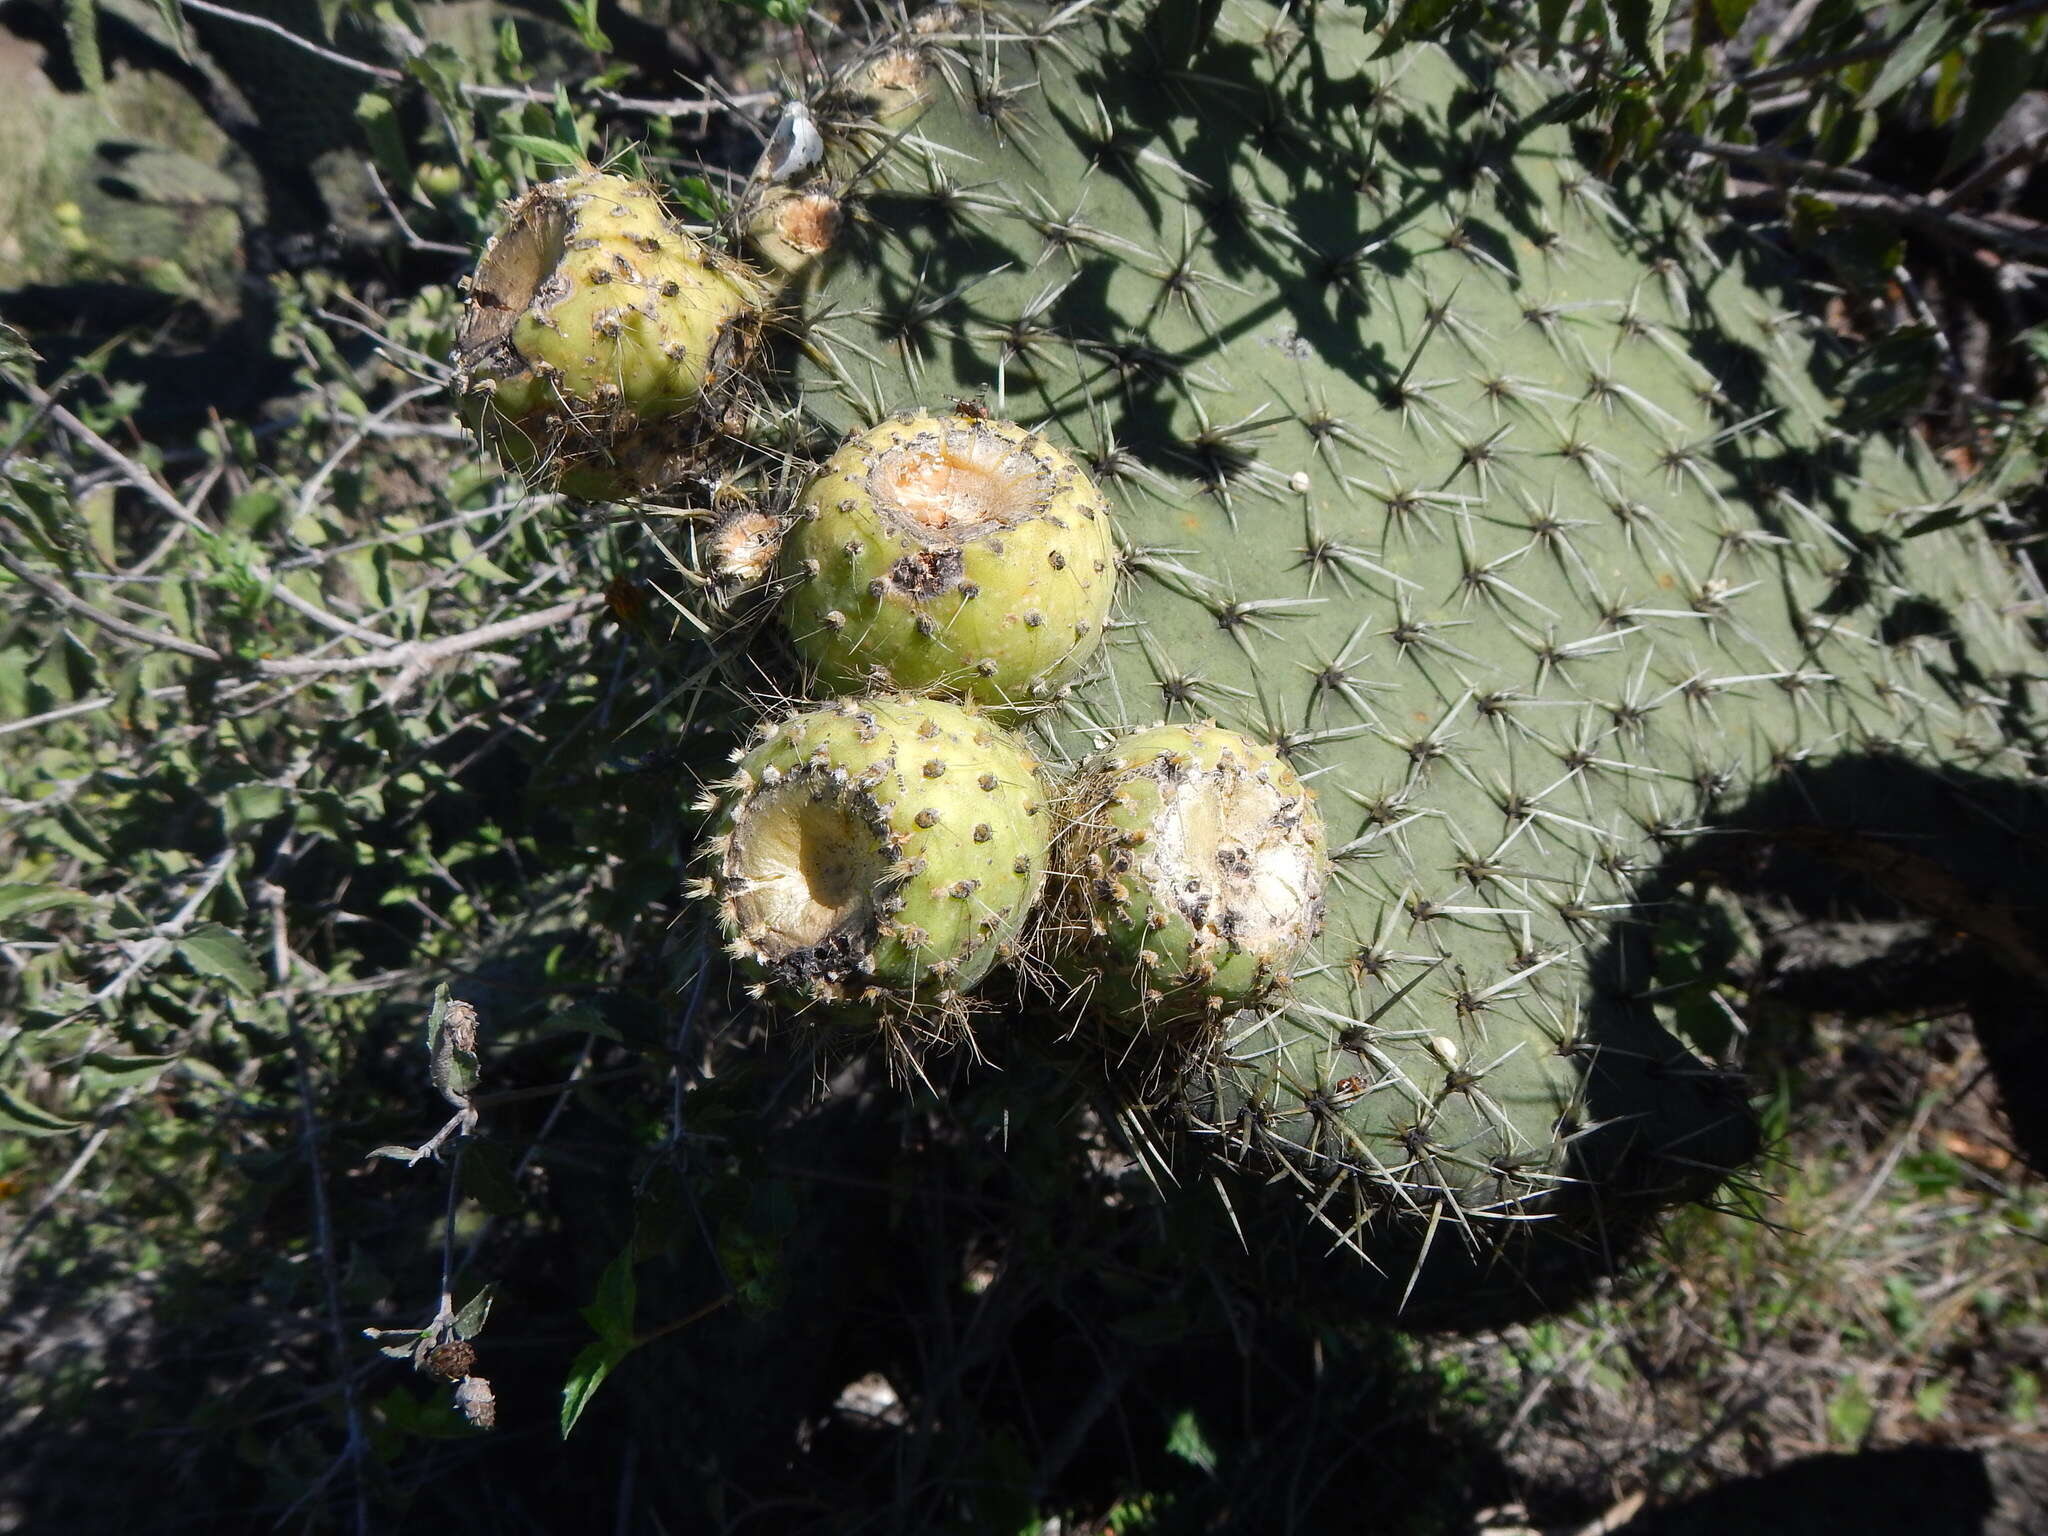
{"type": "Point", "coordinates": [1192, 866]}
{"type": "Point", "coordinates": [950, 553]}
{"type": "Point", "coordinates": [600, 339]}
{"type": "Point", "coordinates": [882, 852]}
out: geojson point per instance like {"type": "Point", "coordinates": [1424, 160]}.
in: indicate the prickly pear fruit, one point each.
{"type": "Point", "coordinates": [879, 849]}
{"type": "Point", "coordinates": [1195, 868]}
{"type": "Point", "coordinates": [597, 333]}
{"type": "Point", "coordinates": [950, 553]}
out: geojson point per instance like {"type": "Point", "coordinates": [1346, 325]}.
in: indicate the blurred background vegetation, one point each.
{"type": "Point", "coordinates": [310, 721]}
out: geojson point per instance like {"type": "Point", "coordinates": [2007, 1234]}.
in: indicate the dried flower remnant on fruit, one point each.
{"type": "Point", "coordinates": [960, 554]}
{"type": "Point", "coordinates": [1195, 872]}
{"type": "Point", "coordinates": [743, 546]}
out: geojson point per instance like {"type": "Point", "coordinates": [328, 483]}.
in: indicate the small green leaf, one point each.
{"type": "Point", "coordinates": [469, 1322]}
{"type": "Point", "coordinates": [487, 1179]}
{"type": "Point", "coordinates": [173, 17]}
{"type": "Point", "coordinates": [547, 151]}
{"type": "Point", "coordinates": [1420, 20]}
{"type": "Point", "coordinates": [21, 900]}
{"type": "Point", "coordinates": [789, 12]}
{"type": "Point", "coordinates": [1916, 42]}
{"type": "Point", "coordinates": [82, 34]}
{"type": "Point", "coordinates": [1184, 1438]}
{"type": "Point", "coordinates": [2002, 71]}
{"type": "Point", "coordinates": [1891, 376]}
{"type": "Point", "coordinates": [580, 1019]}
{"type": "Point", "coordinates": [212, 950]}
{"type": "Point", "coordinates": [1727, 15]}
{"type": "Point", "coordinates": [127, 1071]}
{"type": "Point", "coordinates": [586, 1375]}
{"type": "Point", "coordinates": [1640, 23]}
{"type": "Point", "coordinates": [611, 1314]}
{"type": "Point", "coordinates": [22, 1118]}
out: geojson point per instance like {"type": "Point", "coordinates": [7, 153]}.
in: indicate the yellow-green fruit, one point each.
{"type": "Point", "coordinates": [878, 849]}
{"type": "Point", "coordinates": [597, 335]}
{"type": "Point", "coordinates": [1194, 869]}
{"type": "Point", "coordinates": [946, 552]}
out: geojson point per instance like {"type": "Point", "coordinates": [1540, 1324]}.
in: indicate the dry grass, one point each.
{"type": "Point", "coordinates": [1891, 1292]}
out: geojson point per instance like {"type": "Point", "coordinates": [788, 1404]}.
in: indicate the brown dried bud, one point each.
{"type": "Point", "coordinates": [449, 1361]}
{"type": "Point", "coordinates": [460, 1022]}
{"type": "Point", "coordinates": [476, 1402]}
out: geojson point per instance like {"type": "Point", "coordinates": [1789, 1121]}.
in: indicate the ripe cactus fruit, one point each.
{"type": "Point", "coordinates": [952, 553]}
{"type": "Point", "coordinates": [879, 849]}
{"type": "Point", "coordinates": [1195, 868]}
{"type": "Point", "coordinates": [597, 335]}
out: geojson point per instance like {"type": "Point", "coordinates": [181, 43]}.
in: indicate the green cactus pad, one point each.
{"type": "Point", "coordinates": [1194, 872]}
{"type": "Point", "coordinates": [950, 553]}
{"type": "Point", "coordinates": [879, 850]}
{"type": "Point", "coordinates": [595, 330]}
{"type": "Point", "coordinates": [1509, 504]}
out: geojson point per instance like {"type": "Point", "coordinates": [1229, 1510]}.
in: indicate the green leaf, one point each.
{"type": "Point", "coordinates": [611, 1314]}
{"type": "Point", "coordinates": [21, 900]}
{"type": "Point", "coordinates": [1916, 42]}
{"type": "Point", "coordinates": [173, 17]}
{"type": "Point", "coordinates": [126, 1071]}
{"type": "Point", "coordinates": [582, 15]}
{"type": "Point", "coordinates": [1640, 23]}
{"type": "Point", "coordinates": [21, 1118]}
{"type": "Point", "coordinates": [487, 1179]}
{"type": "Point", "coordinates": [547, 151]}
{"type": "Point", "coordinates": [82, 35]}
{"type": "Point", "coordinates": [1184, 1438]}
{"type": "Point", "coordinates": [586, 1375]}
{"type": "Point", "coordinates": [2003, 70]}
{"type": "Point", "coordinates": [1726, 16]}
{"type": "Point", "coordinates": [212, 950]}
{"type": "Point", "coordinates": [580, 1019]}
{"type": "Point", "coordinates": [789, 12]}
{"type": "Point", "coordinates": [1421, 19]}
{"type": "Point", "coordinates": [469, 1322]}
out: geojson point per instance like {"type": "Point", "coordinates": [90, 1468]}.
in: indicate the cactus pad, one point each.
{"type": "Point", "coordinates": [1508, 503]}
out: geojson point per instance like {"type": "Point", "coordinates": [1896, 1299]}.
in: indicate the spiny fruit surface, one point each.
{"type": "Point", "coordinates": [1511, 505]}
{"type": "Point", "coordinates": [596, 337]}
{"type": "Point", "coordinates": [949, 552]}
{"type": "Point", "coordinates": [879, 850]}
{"type": "Point", "coordinates": [1193, 866]}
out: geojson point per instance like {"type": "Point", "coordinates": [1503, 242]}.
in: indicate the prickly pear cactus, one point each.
{"type": "Point", "coordinates": [881, 851]}
{"type": "Point", "coordinates": [597, 335]}
{"type": "Point", "coordinates": [1508, 503]}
